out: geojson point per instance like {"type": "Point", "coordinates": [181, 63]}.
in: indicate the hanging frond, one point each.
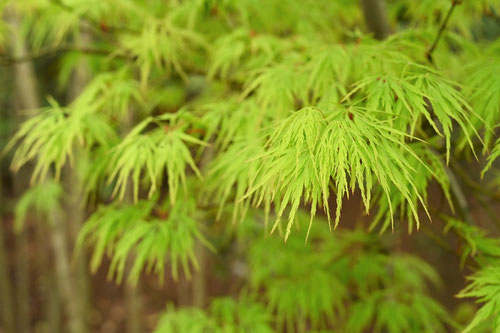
{"type": "Point", "coordinates": [277, 88]}
{"type": "Point", "coordinates": [417, 94]}
{"type": "Point", "coordinates": [231, 173]}
{"type": "Point", "coordinates": [312, 150]}
{"type": "Point", "coordinates": [243, 49]}
{"type": "Point", "coordinates": [309, 292]}
{"type": "Point", "coordinates": [186, 320]}
{"type": "Point", "coordinates": [492, 157]}
{"type": "Point", "coordinates": [50, 137]}
{"type": "Point", "coordinates": [147, 157]}
{"type": "Point", "coordinates": [346, 275]}
{"type": "Point", "coordinates": [225, 315]}
{"type": "Point", "coordinates": [47, 23]}
{"type": "Point", "coordinates": [327, 70]}
{"type": "Point", "coordinates": [485, 286]}
{"type": "Point", "coordinates": [161, 46]}
{"type": "Point", "coordinates": [133, 232]}
{"type": "Point", "coordinates": [428, 166]}
{"type": "Point", "coordinates": [242, 315]}
{"type": "Point", "coordinates": [42, 199]}
{"type": "Point", "coordinates": [231, 120]}
{"type": "Point", "coordinates": [104, 227]}
{"type": "Point", "coordinates": [113, 93]}
{"type": "Point", "coordinates": [483, 90]}
{"type": "Point", "coordinates": [478, 246]}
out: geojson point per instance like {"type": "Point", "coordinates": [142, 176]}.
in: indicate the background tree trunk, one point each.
{"type": "Point", "coordinates": [59, 245]}
{"type": "Point", "coordinates": [133, 299]}
{"type": "Point", "coordinates": [73, 187]}
{"type": "Point", "coordinates": [27, 93]}
{"type": "Point", "coordinates": [376, 17]}
{"type": "Point", "coordinates": [6, 303]}
{"type": "Point", "coordinates": [27, 100]}
{"type": "Point", "coordinates": [47, 283]}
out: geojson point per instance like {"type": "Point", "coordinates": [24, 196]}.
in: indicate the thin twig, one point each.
{"type": "Point", "coordinates": [5, 60]}
{"type": "Point", "coordinates": [428, 54]}
{"type": "Point", "coordinates": [460, 199]}
{"type": "Point", "coordinates": [472, 184]}
{"type": "Point", "coordinates": [92, 25]}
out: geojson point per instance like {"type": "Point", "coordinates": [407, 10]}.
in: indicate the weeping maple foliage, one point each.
{"type": "Point", "coordinates": [246, 113]}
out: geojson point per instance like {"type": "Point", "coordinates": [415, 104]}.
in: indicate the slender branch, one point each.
{"type": "Point", "coordinates": [428, 54]}
{"type": "Point", "coordinates": [6, 60]}
{"type": "Point", "coordinates": [90, 24]}
{"type": "Point", "coordinates": [458, 194]}
{"type": "Point", "coordinates": [472, 184]}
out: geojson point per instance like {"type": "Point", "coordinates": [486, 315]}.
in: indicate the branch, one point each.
{"type": "Point", "coordinates": [91, 24]}
{"type": "Point", "coordinates": [6, 60]}
{"type": "Point", "coordinates": [428, 54]}
{"type": "Point", "coordinates": [472, 184]}
{"type": "Point", "coordinates": [458, 194]}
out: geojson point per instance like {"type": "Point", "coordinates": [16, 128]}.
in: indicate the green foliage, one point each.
{"type": "Point", "coordinates": [492, 157]}
{"type": "Point", "coordinates": [346, 275]}
{"type": "Point", "coordinates": [477, 245]}
{"type": "Point", "coordinates": [483, 90]}
{"type": "Point", "coordinates": [50, 137]}
{"type": "Point", "coordinates": [312, 149]}
{"type": "Point", "coordinates": [485, 282]}
{"type": "Point", "coordinates": [134, 232]}
{"type": "Point", "coordinates": [43, 199]}
{"type": "Point", "coordinates": [185, 320]}
{"type": "Point", "coordinates": [485, 286]}
{"type": "Point", "coordinates": [160, 45]}
{"type": "Point", "coordinates": [427, 166]}
{"type": "Point", "coordinates": [150, 155]}
{"type": "Point", "coordinates": [226, 315]}
{"type": "Point", "coordinates": [418, 93]}
{"type": "Point", "coordinates": [251, 110]}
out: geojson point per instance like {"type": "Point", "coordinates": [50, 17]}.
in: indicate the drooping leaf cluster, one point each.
{"type": "Point", "coordinates": [346, 282]}
{"type": "Point", "coordinates": [276, 105]}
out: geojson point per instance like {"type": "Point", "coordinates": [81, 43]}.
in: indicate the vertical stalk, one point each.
{"type": "Point", "coordinates": [22, 283]}
{"type": "Point", "coordinates": [27, 98]}
{"type": "Point", "coordinates": [73, 187]}
{"type": "Point", "coordinates": [134, 305]}
{"type": "Point", "coordinates": [133, 300]}
{"type": "Point", "coordinates": [199, 282]}
{"type": "Point", "coordinates": [47, 285]}
{"type": "Point", "coordinates": [6, 303]}
{"type": "Point", "coordinates": [59, 246]}
{"type": "Point", "coordinates": [28, 95]}
{"type": "Point", "coordinates": [376, 18]}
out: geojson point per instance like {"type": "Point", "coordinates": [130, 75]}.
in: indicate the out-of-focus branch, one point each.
{"type": "Point", "coordinates": [91, 25]}
{"type": "Point", "coordinates": [9, 60]}
{"type": "Point", "coordinates": [376, 17]}
{"type": "Point", "coordinates": [428, 54]}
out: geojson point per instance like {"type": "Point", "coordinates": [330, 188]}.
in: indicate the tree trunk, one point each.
{"type": "Point", "coordinates": [22, 283]}
{"type": "Point", "coordinates": [199, 284]}
{"type": "Point", "coordinates": [376, 17]}
{"type": "Point", "coordinates": [73, 187]}
{"type": "Point", "coordinates": [133, 299]}
{"type": "Point", "coordinates": [6, 303]}
{"type": "Point", "coordinates": [59, 244]}
{"type": "Point", "coordinates": [27, 99]}
{"type": "Point", "coordinates": [47, 284]}
{"type": "Point", "coordinates": [134, 306]}
{"type": "Point", "coordinates": [28, 95]}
